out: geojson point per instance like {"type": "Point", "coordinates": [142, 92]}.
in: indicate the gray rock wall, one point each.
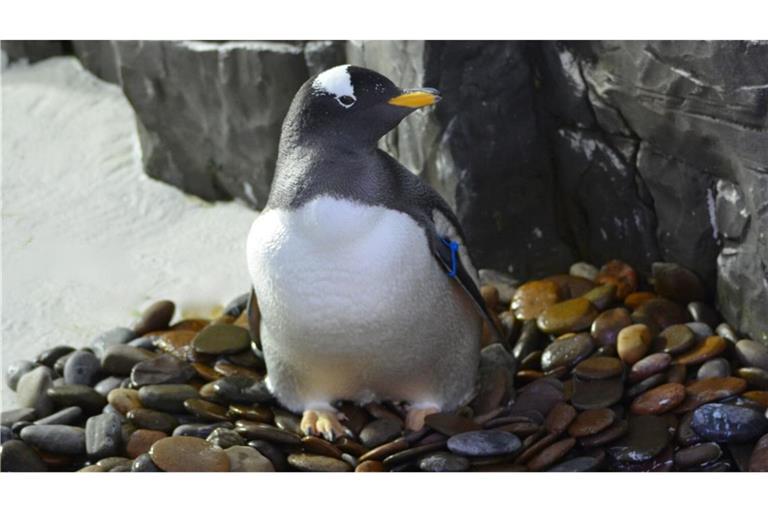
{"type": "Point", "coordinates": [549, 151]}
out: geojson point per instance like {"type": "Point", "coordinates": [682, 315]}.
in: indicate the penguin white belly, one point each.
{"type": "Point", "coordinates": [354, 306]}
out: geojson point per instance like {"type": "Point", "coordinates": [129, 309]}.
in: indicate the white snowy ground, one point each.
{"type": "Point", "coordinates": [87, 238]}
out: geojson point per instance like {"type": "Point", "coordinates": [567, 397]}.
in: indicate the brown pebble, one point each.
{"type": "Point", "coordinates": [551, 454]}
{"type": "Point", "coordinates": [570, 286]}
{"type": "Point", "coordinates": [206, 410]}
{"type": "Point", "coordinates": [610, 434]}
{"type": "Point", "coordinates": [385, 450]}
{"type": "Point", "coordinates": [677, 374]}
{"type": "Point", "coordinates": [319, 446]}
{"type": "Point", "coordinates": [141, 441]}
{"type": "Point", "coordinates": [258, 413]}
{"type": "Point", "coordinates": [601, 296]}
{"type": "Point", "coordinates": [591, 422]}
{"type": "Point", "coordinates": [714, 389]}
{"type": "Point", "coordinates": [205, 372]}
{"type": "Point", "coordinates": [659, 400]}
{"type": "Point", "coordinates": [633, 343]}
{"type": "Point", "coordinates": [347, 445]}
{"type": "Point", "coordinates": [676, 339]}
{"type": "Point", "coordinates": [660, 313]}
{"type": "Point", "coordinates": [190, 324]}
{"type": "Point", "coordinates": [621, 275]}
{"type": "Point", "coordinates": [450, 424]}
{"type": "Point", "coordinates": [649, 365]}
{"type": "Point", "coordinates": [532, 298]}
{"type": "Point", "coordinates": [228, 369]}
{"type": "Point", "coordinates": [758, 461]}
{"type": "Point", "coordinates": [759, 397]}
{"type": "Point", "coordinates": [710, 347]}
{"type": "Point", "coordinates": [636, 299]}
{"type": "Point", "coordinates": [568, 316]}
{"type": "Point", "coordinates": [176, 342]}
{"type": "Point", "coordinates": [183, 453]}
{"type": "Point", "coordinates": [370, 466]}
{"type": "Point", "coordinates": [559, 418]}
{"type": "Point", "coordinates": [317, 463]}
{"type": "Point", "coordinates": [490, 295]}
{"type": "Point", "coordinates": [599, 368]}
{"type": "Point", "coordinates": [124, 400]}
{"type": "Point", "coordinates": [605, 329]}
{"type": "Point", "coordinates": [156, 317]}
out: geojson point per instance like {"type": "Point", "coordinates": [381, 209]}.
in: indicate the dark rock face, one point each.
{"type": "Point", "coordinates": [550, 152]}
{"type": "Point", "coordinates": [209, 114]}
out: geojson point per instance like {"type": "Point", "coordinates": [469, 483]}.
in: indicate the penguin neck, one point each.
{"type": "Point", "coordinates": [309, 167]}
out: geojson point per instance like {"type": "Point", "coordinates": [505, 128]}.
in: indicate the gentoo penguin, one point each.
{"type": "Point", "coordinates": [359, 268]}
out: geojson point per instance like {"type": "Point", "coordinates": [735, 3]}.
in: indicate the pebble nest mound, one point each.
{"type": "Point", "coordinates": [596, 372]}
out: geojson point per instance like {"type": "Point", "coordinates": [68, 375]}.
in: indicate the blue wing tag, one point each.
{"type": "Point", "coordinates": [454, 247]}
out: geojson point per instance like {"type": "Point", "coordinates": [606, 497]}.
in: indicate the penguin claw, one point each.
{"type": "Point", "coordinates": [324, 424]}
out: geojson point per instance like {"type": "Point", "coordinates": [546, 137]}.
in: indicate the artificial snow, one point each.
{"type": "Point", "coordinates": [88, 238]}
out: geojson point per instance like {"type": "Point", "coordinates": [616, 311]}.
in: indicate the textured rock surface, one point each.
{"type": "Point", "coordinates": [549, 151]}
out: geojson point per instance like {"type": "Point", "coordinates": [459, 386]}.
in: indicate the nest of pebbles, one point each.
{"type": "Point", "coordinates": [597, 372]}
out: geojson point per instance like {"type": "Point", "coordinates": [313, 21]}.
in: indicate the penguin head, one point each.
{"type": "Point", "coordinates": [352, 104]}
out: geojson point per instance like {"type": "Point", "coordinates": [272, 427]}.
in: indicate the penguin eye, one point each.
{"type": "Point", "coordinates": [346, 101]}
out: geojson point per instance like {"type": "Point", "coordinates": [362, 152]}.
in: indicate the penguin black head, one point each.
{"type": "Point", "coordinates": [353, 105]}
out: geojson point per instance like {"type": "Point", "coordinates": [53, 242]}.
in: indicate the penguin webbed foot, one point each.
{"type": "Point", "coordinates": [324, 423]}
{"type": "Point", "coordinates": [417, 414]}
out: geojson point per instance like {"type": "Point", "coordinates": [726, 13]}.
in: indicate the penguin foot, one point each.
{"type": "Point", "coordinates": [325, 423]}
{"type": "Point", "coordinates": [417, 413]}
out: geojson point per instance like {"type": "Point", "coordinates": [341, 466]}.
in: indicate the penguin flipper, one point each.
{"type": "Point", "coordinates": [254, 318]}
{"type": "Point", "coordinates": [450, 259]}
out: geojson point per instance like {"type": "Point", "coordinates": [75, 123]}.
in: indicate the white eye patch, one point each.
{"type": "Point", "coordinates": [338, 83]}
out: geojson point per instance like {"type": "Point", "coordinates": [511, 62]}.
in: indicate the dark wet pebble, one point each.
{"type": "Point", "coordinates": [758, 461]}
{"type": "Point", "coordinates": [110, 338]}
{"type": "Point", "coordinates": [165, 369]}
{"type": "Point", "coordinates": [659, 400]}
{"type": "Point", "coordinates": [704, 313]}
{"type": "Point", "coordinates": [152, 420]}
{"type": "Point", "coordinates": [379, 432]}
{"type": "Point", "coordinates": [67, 416]}
{"type": "Point", "coordinates": [757, 378]}
{"type": "Point", "coordinates": [240, 389]}
{"type": "Point", "coordinates": [559, 418]}
{"type": "Point", "coordinates": [450, 424]}
{"type": "Point", "coordinates": [541, 396]}
{"type": "Point", "coordinates": [649, 365]}
{"type": "Point", "coordinates": [219, 339]}
{"type": "Point", "coordinates": [697, 455]}
{"type": "Point", "coordinates": [566, 352]}
{"type": "Point", "coordinates": [85, 397]}
{"type": "Point", "coordinates": [317, 463]}
{"type": "Point", "coordinates": [700, 330]}
{"type": "Point", "coordinates": [551, 454]}
{"type": "Point", "coordinates": [443, 462]}
{"type": "Point", "coordinates": [646, 438]}
{"type": "Point", "coordinates": [156, 317]}
{"type": "Point", "coordinates": [581, 464]}
{"type": "Point", "coordinates": [148, 342]}
{"type": "Point", "coordinates": [646, 384]}
{"type": "Point", "coordinates": [32, 390]}
{"type": "Point", "coordinates": [143, 464]}
{"type": "Point", "coordinates": [103, 436]}
{"type": "Point", "coordinates": [201, 430]}
{"type": "Point", "coordinates": [15, 370]}
{"type": "Point", "coordinates": [104, 386]}
{"type": "Point", "coordinates": [729, 423]}
{"type": "Point", "coordinates": [11, 416]}
{"type": "Point", "coordinates": [188, 454]}
{"type": "Point", "coordinates": [252, 430]}
{"type": "Point", "coordinates": [206, 410]}
{"type": "Point", "coordinates": [677, 283]}
{"type": "Point", "coordinates": [660, 313]}
{"type": "Point", "coordinates": [484, 443]}
{"type": "Point", "coordinates": [609, 435]}
{"type": "Point", "coordinates": [17, 456]}
{"type": "Point", "coordinates": [64, 439]}
{"type": "Point", "coordinates": [167, 397]}
{"type": "Point", "coordinates": [225, 438]}
{"type": "Point", "coordinates": [50, 356]}
{"type": "Point", "coordinates": [605, 329]}
{"type": "Point", "coordinates": [719, 367]}
{"type": "Point", "coordinates": [600, 367]}
{"type": "Point", "coordinates": [591, 422]}
{"type": "Point", "coordinates": [596, 394]}
{"type": "Point", "coordinates": [685, 435]}
{"type": "Point", "coordinates": [6, 434]}
{"type": "Point", "coordinates": [120, 359]}
{"type": "Point", "coordinates": [81, 367]}
{"type": "Point", "coordinates": [752, 353]}
{"type": "Point", "coordinates": [270, 451]}
{"type": "Point", "coordinates": [727, 332]}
